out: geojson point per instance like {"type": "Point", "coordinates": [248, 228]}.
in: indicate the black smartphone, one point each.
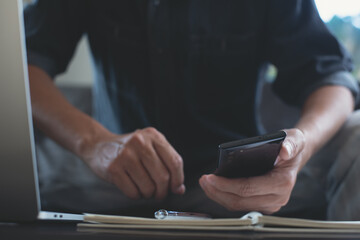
{"type": "Point", "coordinates": [249, 157]}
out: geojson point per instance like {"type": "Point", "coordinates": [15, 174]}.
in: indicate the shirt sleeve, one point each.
{"type": "Point", "coordinates": [53, 29]}
{"type": "Point", "coordinates": [305, 53]}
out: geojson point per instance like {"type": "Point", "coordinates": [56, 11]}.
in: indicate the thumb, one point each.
{"type": "Point", "coordinates": [292, 145]}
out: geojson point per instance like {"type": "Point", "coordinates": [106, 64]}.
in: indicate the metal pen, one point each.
{"type": "Point", "coordinates": [173, 215]}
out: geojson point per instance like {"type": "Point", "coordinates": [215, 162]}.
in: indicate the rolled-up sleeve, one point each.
{"type": "Point", "coordinates": [305, 53]}
{"type": "Point", "coordinates": [53, 29]}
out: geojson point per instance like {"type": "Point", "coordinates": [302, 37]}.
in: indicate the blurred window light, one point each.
{"type": "Point", "coordinates": [341, 8]}
{"type": "Point", "coordinates": [342, 17]}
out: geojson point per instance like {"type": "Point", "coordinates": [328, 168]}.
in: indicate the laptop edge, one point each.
{"type": "Point", "coordinates": [20, 198]}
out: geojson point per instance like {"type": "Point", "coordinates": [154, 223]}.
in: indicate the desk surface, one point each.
{"type": "Point", "coordinates": [64, 231]}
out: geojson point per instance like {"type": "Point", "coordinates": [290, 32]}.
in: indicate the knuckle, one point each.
{"type": "Point", "coordinates": [164, 178]}
{"type": "Point", "coordinates": [154, 133]}
{"type": "Point", "coordinates": [151, 131]}
{"type": "Point", "coordinates": [177, 162]}
{"type": "Point", "coordinates": [137, 139]}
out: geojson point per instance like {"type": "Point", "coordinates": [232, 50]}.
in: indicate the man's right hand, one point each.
{"type": "Point", "coordinates": [140, 164]}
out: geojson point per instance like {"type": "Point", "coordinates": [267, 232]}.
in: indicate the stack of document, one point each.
{"type": "Point", "coordinates": [251, 222]}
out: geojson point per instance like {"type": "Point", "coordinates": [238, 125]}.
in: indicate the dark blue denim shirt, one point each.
{"type": "Point", "coordinates": [189, 67]}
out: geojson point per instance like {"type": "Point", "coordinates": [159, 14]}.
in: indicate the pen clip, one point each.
{"type": "Point", "coordinates": [173, 215]}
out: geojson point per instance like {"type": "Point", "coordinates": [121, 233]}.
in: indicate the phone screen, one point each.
{"type": "Point", "coordinates": [249, 157]}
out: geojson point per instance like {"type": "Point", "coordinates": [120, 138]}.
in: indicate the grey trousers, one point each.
{"type": "Point", "coordinates": [326, 188]}
{"type": "Point", "coordinates": [333, 177]}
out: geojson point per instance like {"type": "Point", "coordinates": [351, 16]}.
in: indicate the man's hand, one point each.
{"type": "Point", "coordinates": [267, 193]}
{"type": "Point", "coordinates": [140, 164]}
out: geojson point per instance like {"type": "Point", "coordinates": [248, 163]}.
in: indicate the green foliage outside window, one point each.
{"type": "Point", "coordinates": [349, 35]}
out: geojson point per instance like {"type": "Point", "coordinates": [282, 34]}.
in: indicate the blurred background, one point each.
{"type": "Point", "coordinates": [343, 19]}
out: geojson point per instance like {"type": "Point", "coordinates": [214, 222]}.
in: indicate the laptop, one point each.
{"type": "Point", "coordinates": [19, 188]}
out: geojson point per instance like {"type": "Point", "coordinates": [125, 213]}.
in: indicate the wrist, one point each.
{"type": "Point", "coordinates": [87, 140]}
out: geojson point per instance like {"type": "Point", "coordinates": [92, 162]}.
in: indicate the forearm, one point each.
{"type": "Point", "coordinates": [323, 114]}
{"type": "Point", "coordinates": [56, 117]}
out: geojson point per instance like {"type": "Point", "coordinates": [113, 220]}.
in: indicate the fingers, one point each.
{"type": "Point", "coordinates": [130, 170]}
{"type": "Point", "coordinates": [247, 187]}
{"type": "Point", "coordinates": [126, 185]}
{"type": "Point", "coordinates": [266, 203]}
{"type": "Point", "coordinates": [157, 171]}
{"type": "Point", "coordinates": [173, 163]}
{"type": "Point", "coordinates": [151, 163]}
{"type": "Point", "coordinates": [266, 193]}
{"type": "Point", "coordinates": [164, 163]}
{"type": "Point", "coordinates": [141, 178]}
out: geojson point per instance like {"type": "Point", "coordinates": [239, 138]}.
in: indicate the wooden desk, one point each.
{"type": "Point", "coordinates": [66, 231]}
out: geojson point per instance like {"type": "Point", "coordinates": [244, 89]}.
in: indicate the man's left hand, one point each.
{"type": "Point", "coordinates": [267, 193]}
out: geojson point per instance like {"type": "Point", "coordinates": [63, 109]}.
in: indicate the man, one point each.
{"type": "Point", "coordinates": [176, 78]}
